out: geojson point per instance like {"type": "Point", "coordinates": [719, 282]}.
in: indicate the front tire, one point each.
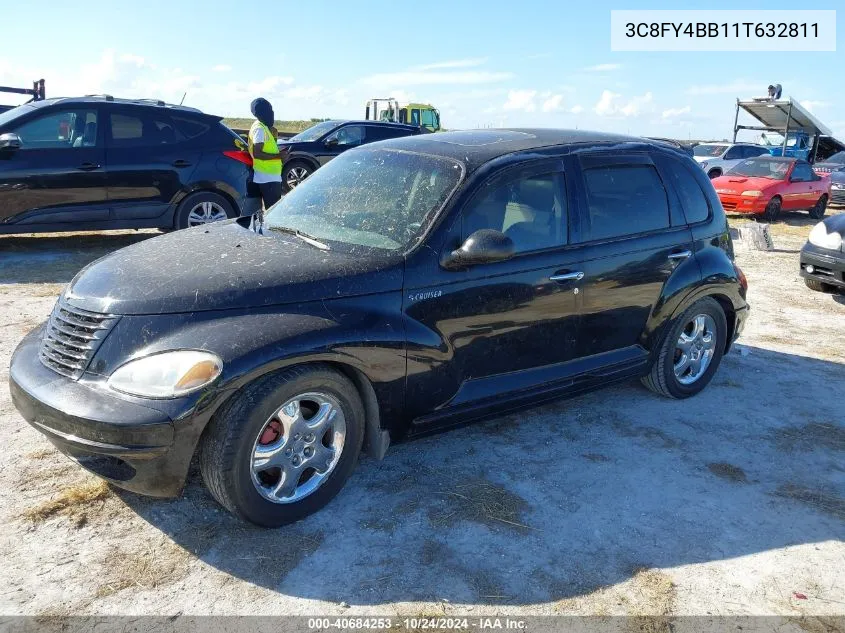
{"type": "Point", "coordinates": [818, 286]}
{"type": "Point", "coordinates": [691, 352]}
{"type": "Point", "coordinates": [294, 173]}
{"type": "Point", "coordinates": [284, 446]}
{"type": "Point", "coordinates": [203, 207]}
{"type": "Point", "coordinates": [818, 211]}
{"type": "Point", "coordinates": [714, 173]}
{"type": "Point", "coordinates": [772, 209]}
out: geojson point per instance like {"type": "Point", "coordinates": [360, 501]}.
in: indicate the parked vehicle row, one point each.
{"type": "Point", "coordinates": [717, 158]}
{"type": "Point", "coordinates": [404, 287]}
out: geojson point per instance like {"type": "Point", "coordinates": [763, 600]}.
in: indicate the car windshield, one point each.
{"type": "Point", "coordinates": [14, 113]}
{"type": "Point", "coordinates": [708, 150]}
{"type": "Point", "coordinates": [761, 168]}
{"type": "Point", "coordinates": [315, 131]}
{"type": "Point", "coordinates": [838, 157]}
{"type": "Point", "coordinates": [379, 198]}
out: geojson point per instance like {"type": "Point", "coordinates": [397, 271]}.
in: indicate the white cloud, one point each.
{"type": "Point", "coordinates": [738, 87]}
{"type": "Point", "coordinates": [610, 104]}
{"type": "Point", "coordinates": [672, 113]}
{"type": "Point", "coordinates": [222, 68]}
{"type": "Point", "coordinates": [424, 77]}
{"type": "Point", "coordinates": [553, 103]}
{"type": "Point", "coordinates": [135, 60]}
{"type": "Point", "coordinates": [268, 84]}
{"type": "Point", "coordinates": [454, 63]}
{"type": "Point", "coordinates": [521, 100]}
{"type": "Point", "coordinates": [602, 68]}
{"type": "Point", "coordinates": [576, 109]}
{"type": "Point", "coordinates": [811, 105]}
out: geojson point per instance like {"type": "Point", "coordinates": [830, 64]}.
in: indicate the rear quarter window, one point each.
{"type": "Point", "coordinates": [625, 200]}
{"type": "Point", "coordinates": [189, 127]}
{"type": "Point", "coordinates": [694, 202]}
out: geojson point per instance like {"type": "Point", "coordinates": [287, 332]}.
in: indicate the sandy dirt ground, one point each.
{"type": "Point", "coordinates": [617, 502]}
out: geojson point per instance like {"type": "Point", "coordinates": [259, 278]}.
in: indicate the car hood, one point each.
{"type": "Point", "coordinates": [738, 184]}
{"type": "Point", "coordinates": [835, 223]}
{"type": "Point", "coordinates": [226, 266]}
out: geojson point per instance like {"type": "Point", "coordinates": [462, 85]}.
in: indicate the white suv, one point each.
{"type": "Point", "coordinates": [717, 158]}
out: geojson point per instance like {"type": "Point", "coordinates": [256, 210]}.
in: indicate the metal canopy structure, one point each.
{"type": "Point", "coordinates": [785, 116]}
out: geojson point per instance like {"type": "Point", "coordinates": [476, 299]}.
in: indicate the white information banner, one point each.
{"type": "Point", "coordinates": [717, 30]}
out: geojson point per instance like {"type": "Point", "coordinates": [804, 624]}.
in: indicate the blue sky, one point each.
{"type": "Point", "coordinates": [493, 63]}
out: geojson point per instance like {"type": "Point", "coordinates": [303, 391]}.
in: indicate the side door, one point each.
{"type": "Point", "coordinates": [343, 138]}
{"type": "Point", "coordinates": [57, 174]}
{"type": "Point", "coordinates": [148, 161]}
{"type": "Point", "coordinates": [507, 327]}
{"type": "Point", "coordinates": [804, 185]}
{"type": "Point", "coordinates": [635, 240]}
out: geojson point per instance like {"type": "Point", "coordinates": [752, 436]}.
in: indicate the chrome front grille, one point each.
{"type": "Point", "coordinates": [72, 337]}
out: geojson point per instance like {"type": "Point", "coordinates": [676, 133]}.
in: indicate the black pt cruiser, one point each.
{"type": "Point", "coordinates": [407, 286]}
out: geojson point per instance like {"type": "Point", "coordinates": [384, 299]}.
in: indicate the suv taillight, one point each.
{"type": "Point", "coordinates": [242, 156]}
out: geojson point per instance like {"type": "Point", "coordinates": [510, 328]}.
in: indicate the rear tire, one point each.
{"type": "Point", "coordinates": [772, 209]}
{"type": "Point", "coordinates": [251, 486]}
{"type": "Point", "coordinates": [203, 207]}
{"type": "Point", "coordinates": [818, 211]}
{"type": "Point", "coordinates": [669, 375]}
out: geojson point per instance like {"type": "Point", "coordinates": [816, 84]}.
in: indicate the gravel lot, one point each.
{"type": "Point", "coordinates": [618, 502]}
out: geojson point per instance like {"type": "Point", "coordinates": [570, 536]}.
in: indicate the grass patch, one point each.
{"type": "Point", "coordinates": [481, 502]}
{"type": "Point", "coordinates": [826, 502]}
{"type": "Point", "coordinates": [72, 502]}
{"type": "Point", "coordinates": [727, 471]}
{"type": "Point", "coordinates": [810, 437]}
{"type": "Point", "coordinates": [148, 568]}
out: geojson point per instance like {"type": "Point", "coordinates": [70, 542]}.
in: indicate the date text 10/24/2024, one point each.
{"type": "Point", "coordinates": [417, 624]}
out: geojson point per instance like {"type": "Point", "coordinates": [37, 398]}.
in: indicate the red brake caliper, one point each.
{"type": "Point", "coordinates": [272, 433]}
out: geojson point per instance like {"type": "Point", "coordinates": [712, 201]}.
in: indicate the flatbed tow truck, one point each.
{"type": "Point", "coordinates": [36, 92]}
{"type": "Point", "coordinates": [804, 136]}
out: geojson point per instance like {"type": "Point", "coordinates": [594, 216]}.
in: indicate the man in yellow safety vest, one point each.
{"type": "Point", "coordinates": [266, 160]}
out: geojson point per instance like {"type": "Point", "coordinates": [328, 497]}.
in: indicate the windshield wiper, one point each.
{"type": "Point", "coordinates": [308, 239]}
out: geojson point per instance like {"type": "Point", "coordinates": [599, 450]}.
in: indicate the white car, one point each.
{"type": "Point", "coordinates": [718, 158]}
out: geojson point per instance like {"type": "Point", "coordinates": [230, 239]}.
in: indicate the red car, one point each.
{"type": "Point", "coordinates": [768, 184]}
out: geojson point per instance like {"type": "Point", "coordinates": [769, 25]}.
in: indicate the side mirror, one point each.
{"type": "Point", "coordinates": [482, 247]}
{"type": "Point", "coordinates": [10, 142]}
{"type": "Point", "coordinates": [332, 142]}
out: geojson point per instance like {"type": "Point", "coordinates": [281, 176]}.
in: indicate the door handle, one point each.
{"type": "Point", "coordinates": [680, 255]}
{"type": "Point", "coordinates": [88, 166]}
{"type": "Point", "coordinates": [181, 163]}
{"type": "Point", "coordinates": [578, 276]}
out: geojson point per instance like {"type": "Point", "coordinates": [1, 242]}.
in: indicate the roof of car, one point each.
{"type": "Point", "coordinates": [379, 123]}
{"type": "Point", "coordinates": [473, 148]}
{"type": "Point", "coordinates": [778, 159]}
{"type": "Point", "coordinates": [110, 99]}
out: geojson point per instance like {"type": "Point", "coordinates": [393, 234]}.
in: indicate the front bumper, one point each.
{"type": "Point", "coordinates": [837, 196]}
{"type": "Point", "coordinates": [828, 265]}
{"type": "Point", "coordinates": [742, 204]}
{"type": "Point", "coordinates": [132, 444]}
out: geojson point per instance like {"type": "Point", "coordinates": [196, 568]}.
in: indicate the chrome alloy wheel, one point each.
{"type": "Point", "coordinates": [295, 176]}
{"type": "Point", "coordinates": [298, 447]}
{"type": "Point", "coordinates": [695, 348]}
{"type": "Point", "coordinates": [205, 212]}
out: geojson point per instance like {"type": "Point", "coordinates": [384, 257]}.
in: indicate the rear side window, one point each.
{"type": "Point", "coordinates": [191, 128]}
{"type": "Point", "coordinates": [382, 132]}
{"type": "Point", "coordinates": [625, 200]}
{"type": "Point", "coordinates": [696, 208]}
{"type": "Point", "coordinates": [754, 152]}
{"type": "Point", "coordinates": [130, 130]}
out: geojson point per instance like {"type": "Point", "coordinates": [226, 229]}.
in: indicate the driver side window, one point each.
{"type": "Point", "coordinates": [348, 136]}
{"type": "Point", "coordinates": [531, 211]}
{"type": "Point", "coordinates": [60, 130]}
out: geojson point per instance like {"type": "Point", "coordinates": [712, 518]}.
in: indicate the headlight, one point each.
{"type": "Point", "coordinates": [166, 375]}
{"type": "Point", "coordinates": [821, 238]}
{"type": "Point", "coordinates": [723, 191]}
{"type": "Point", "coordinates": [753, 193]}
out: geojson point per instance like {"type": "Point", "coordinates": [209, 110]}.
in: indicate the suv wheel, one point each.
{"type": "Point", "coordinates": [284, 446]}
{"type": "Point", "coordinates": [203, 207]}
{"type": "Point", "coordinates": [818, 286]}
{"type": "Point", "coordinates": [714, 173]}
{"type": "Point", "coordinates": [691, 352]}
{"type": "Point", "coordinates": [817, 212]}
{"type": "Point", "coordinates": [294, 173]}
